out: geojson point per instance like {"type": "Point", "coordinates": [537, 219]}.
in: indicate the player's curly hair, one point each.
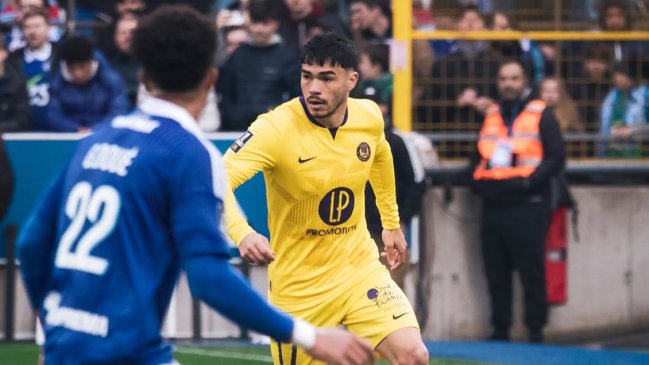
{"type": "Point", "coordinates": [332, 49]}
{"type": "Point", "coordinates": [175, 46]}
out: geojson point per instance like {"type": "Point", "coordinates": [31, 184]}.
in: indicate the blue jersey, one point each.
{"type": "Point", "coordinates": [139, 196]}
{"type": "Point", "coordinates": [37, 73]}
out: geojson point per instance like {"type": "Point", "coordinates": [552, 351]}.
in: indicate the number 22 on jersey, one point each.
{"type": "Point", "coordinates": [85, 204]}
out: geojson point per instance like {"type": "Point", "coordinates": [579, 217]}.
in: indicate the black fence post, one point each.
{"type": "Point", "coordinates": [11, 231]}
{"type": "Point", "coordinates": [197, 329]}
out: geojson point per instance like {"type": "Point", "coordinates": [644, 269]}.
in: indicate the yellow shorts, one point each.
{"type": "Point", "coordinates": [371, 308]}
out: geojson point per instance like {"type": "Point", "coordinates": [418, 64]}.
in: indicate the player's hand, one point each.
{"type": "Point", "coordinates": [255, 249]}
{"type": "Point", "coordinates": [339, 347]}
{"type": "Point", "coordinates": [395, 247]}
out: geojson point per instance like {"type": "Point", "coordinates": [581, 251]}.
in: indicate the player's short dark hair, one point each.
{"type": "Point", "coordinates": [35, 12]}
{"type": "Point", "coordinates": [75, 50]}
{"type": "Point", "coordinates": [330, 48]}
{"type": "Point", "coordinates": [175, 46]}
{"type": "Point", "coordinates": [262, 11]}
{"type": "Point", "coordinates": [379, 54]}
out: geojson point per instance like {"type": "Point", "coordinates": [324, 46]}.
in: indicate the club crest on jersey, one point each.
{"type": "Point", "coordinates": [241, 141]}
{"type": "Point", "coordinates": [363, 151]}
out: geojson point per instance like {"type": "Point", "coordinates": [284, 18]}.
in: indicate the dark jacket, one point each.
{"type": "Point", "coordinates": [15, 112]}
{"type": "Point", "coordinates": [518, 190]}
{"type": "Point", "coordinates": [74, 106]}
{"type": "Point", "coordinates": [409, 190]}
{"type": "Point", "coordinates": [126, 66]}
{"type": "Point", "coordinates": [254, 80]}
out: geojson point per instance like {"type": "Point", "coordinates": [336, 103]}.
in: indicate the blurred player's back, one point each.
{"type": "Point", "coordinates": [115, 266]}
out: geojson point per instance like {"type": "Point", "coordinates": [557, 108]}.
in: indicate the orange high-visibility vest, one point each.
{"type": "Point", "coordinates": [525, 142]}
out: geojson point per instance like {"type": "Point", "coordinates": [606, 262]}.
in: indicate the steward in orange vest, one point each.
{"type": "Point", "coordinates": [519, 151]}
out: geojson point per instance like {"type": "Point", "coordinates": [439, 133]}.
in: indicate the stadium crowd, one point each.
{"type": "Point", "coordinates": [74, 80]}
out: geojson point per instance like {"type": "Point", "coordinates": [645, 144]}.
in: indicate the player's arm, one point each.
{"type": "Point", "coordinates": [253, 152]}
{"type": "Point", "coordinates": [36, 244]}
{"type": "Point", "coordinates": [382, 181]}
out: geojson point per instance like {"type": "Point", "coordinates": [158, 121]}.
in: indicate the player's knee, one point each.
{"type": "Point", "coordinates": [417, 354]}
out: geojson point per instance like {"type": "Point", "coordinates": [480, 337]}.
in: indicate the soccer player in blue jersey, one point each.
{"type": "Point", "coordinates": [141, 200]}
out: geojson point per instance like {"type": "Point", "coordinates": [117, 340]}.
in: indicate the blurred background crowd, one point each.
{"type": "Point", "coordinates": [65, 65]}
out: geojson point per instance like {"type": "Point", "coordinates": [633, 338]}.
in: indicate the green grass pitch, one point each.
{"type": "Point", "coordinates": [27, 354]}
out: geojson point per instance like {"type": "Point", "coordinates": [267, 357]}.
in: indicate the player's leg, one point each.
{"type": "Point", "coordinates": [380, 312]}
{"type": "Point", "coordinates": [404, 347]}
{"type": "Point", "coordinates": [289, 354]}
{"type": "Point", "coordinates": [327, 313]}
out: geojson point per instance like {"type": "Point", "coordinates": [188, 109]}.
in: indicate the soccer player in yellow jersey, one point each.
{"type": "Point", "coordinates": [317, 152]}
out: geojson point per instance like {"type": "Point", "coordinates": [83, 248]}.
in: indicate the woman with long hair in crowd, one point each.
{"type": "Point", "coordinates": [553, 92]}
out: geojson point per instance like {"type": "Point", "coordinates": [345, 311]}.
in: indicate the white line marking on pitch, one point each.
{"type": "Point", "coordinates": [226, 354]}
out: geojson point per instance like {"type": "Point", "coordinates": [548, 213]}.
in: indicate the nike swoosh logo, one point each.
{"type": "Point", "coordinates": [399, 316]}
{"type": "Point", "coordinates": [300, 160]}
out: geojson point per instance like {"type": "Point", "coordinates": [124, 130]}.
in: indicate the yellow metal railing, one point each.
{"type": "Point", "coordinates": [401, 56]}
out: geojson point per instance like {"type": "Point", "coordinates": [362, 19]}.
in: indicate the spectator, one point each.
{"type": "Point", "coordinates": [590, 82]}
{"type": "Point", "coordinates": [299, 15]}
{"type": "Point", "coordinates": [371, 20]}
{"type": "Point", "coordinates": [15, 38]}
{"type": "Point", "coordinates": [232, 32]}
{"type": "Point", "coordinates": [553, 92]}
{"type": "Point", "coordinates": [615, 16]}
{"type": "Point", "coordinates": [376, 79]}
{"type": "Point", "coordinates": [524, 50]}
{"type": "Point", "coordinates": [260, 74]}
{"type": "Point", "coordinates": [105, 35]}
{"type": "Point", "coordinates": [422, 17]}
{"type": "Point", "coordinates": [86, 91]}
{"type": "Point", "coordinates": [519, 150]}
{"type": "Point", "coordinates": [462, 78]}
{"type": "Point", "coordinates": [623, 116]}
{"type": "Point", "coordinates": [15, 114]}
{"type": "Point", "coordinates": [121, 59]}
{"type": "Point", "coordinates": [36, 60]}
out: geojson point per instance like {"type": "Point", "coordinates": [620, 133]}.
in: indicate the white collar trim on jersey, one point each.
{"type": "Point", "coordinates": [162, 108]}
{"type": "Point", "coordinates": [42, 54]}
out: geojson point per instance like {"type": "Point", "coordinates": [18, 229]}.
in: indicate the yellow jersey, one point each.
{"type": "Point", "coordinates": [315, 181]}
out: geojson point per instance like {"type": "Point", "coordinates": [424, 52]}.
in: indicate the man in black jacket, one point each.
{"type": "Point", "coordinates": [260, 74]}
{"type": "Point", "coordinates": [520, 149]}
{"type": "Point", "coordinates": [15, 113]}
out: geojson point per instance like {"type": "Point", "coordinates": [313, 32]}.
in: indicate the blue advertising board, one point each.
{"type": "Point", "coordinates": [37, 158]}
